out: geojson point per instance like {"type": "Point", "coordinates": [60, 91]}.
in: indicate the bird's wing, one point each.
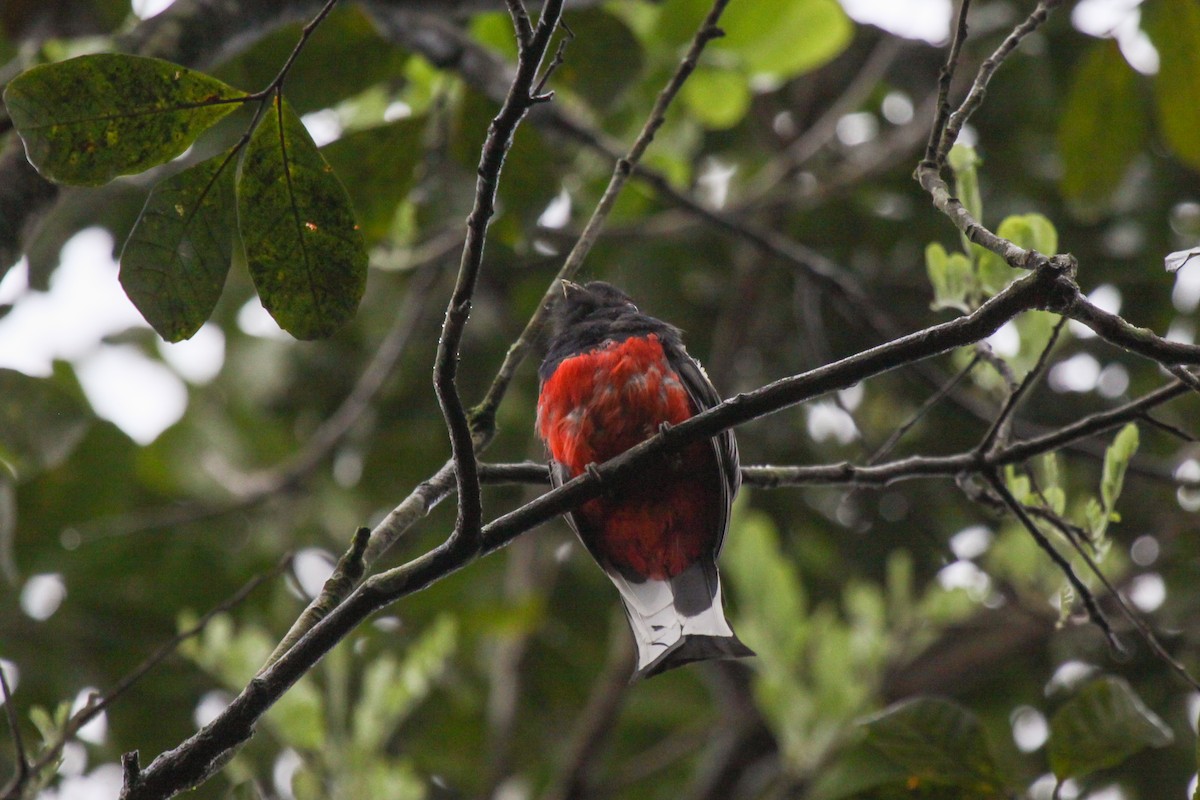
{"type": "Point", "coordinates": [704, 396]}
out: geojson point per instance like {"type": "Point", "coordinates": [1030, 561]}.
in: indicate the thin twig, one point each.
{"type": "Point", "coordinates": [890, 443]}
{"type": "Point", "coordinates": [945, 79]}
{"type": "Point", "coordinates": [277, 83]}
{"type": "Point", "coordinates": [1004, 418]}
{"type": "Point", "coordinates": [1135, 619]}
{"type": "Point", "coordinates": [1166, 427]}
{"type": "Point", "coordinates": [539, 93]}
{"type": "Point", "coordinates": [21, 771]}
{"type": "Point", "coordinates": [1085, 594]}
{"type": "Point", "coordinates": [491, 160]}
{"type": "Point", "coordinates": [978, 89]}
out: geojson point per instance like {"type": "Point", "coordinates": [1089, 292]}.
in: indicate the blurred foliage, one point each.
{"type": "Point", "coordinates": [900, 630]}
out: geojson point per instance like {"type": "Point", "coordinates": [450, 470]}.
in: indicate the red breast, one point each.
{"type": "Point", "coordinates": [598, 404]}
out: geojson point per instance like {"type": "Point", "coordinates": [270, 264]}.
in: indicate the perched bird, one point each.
{"type": "Point", "coordinates": [611, 378]}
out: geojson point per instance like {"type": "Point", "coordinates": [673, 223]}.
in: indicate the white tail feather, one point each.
{"type": "Point", "coordinates": [665, 613]}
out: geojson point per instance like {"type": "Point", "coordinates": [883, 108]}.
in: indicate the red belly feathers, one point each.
{"type": "Point", "coordinates": [596, 406]}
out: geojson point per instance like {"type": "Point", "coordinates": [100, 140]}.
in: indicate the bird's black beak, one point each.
{"type": "Point", "coordinates": [570, 287]}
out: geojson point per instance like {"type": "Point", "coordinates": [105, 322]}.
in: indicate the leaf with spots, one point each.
{"type": "Point", "coordinates": [305, 251]}
{"type": "Point", "coordinates": [89, 119]}
{"type": "Point", "coordinates": [174, 264]}
{"type": "Point", "coordinates": [937, 742]}
{"type": "Point", "coordinates": [1100, 727]}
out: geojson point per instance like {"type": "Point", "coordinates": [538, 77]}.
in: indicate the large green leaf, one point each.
{"type": "Point", "coordinates": [89, 119]}
{"type": "Point", "coordinates": [1116, 461]}
{"type": "Point", "coordinates": [777, 38]}
{"type": "Point", "coordinates": [304, 249]}
{"type": "Point", "coordinates": [1030, 231]}
{"type": "Point", "coordinates": [1100, 727]}
{"type": "Point", "coordinates": [1095, 151]}
{"type": "Point", "coordinates": [719, 98]}
{"type": "Point", "coordinates": [951, 277]}
{"type": "Point", "coordinates": [175, 261]}
{"type": "Point", "coordinates": [937, 742]}
{"type": "Point", "coordinates": [1174, 27]}
{"type": "Point", "coordinates": [785, 38]}
{"type": "Point", "coordinates": [40, 424]}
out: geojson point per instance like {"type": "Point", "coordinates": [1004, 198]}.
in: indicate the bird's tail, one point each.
{"type": "Point", "coordinates": [679, 620]}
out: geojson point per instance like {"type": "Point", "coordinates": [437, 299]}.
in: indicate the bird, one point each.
{"type": "Point", "coordinates": [612, 378]}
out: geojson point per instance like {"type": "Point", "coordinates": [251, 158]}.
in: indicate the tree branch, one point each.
{"type": "Point", "coordinates": [491, 160]}
{"type": "Point", "coordinates": [1085, 594]}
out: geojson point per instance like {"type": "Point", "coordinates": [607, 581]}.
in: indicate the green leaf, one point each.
{"type": "Point", "coordinates": [936, 741]}
{"type": "Point", "coordinates": [1018, 483]}
{"type": "Point", "coordinates": [1096, 518]}
{"type": "Point", "coordinates": [965, 163]}
{"type": "Point", "coordinates": [1116, 461]}
{"type": "Point", "coordinates": [951, 276]}
{"type": "Point", "coordinates": [1101, 726]}
{"type": "Point", "coordinates": [40, 424]}
{"type": "Point", "coordinates": [719, 98]}
{"type": "Point", "coordinates": [304, 249]}
{"type": "Point", "coordinates": [860, 768]}
{"type": "Point", "coordinates": [89, 119]}
{"type": "Point", "coordinates": [376, 192]}
{"type": "Point", "coordinates": [1174, 28]}
{"type": "Point", "coordinates": [1030, 231]}
{"type": "Point", "coordinates": [785, 38]}
{"type": "Point", "coordinates": [1095, 152]}
{"type": "Point", "coordinates": [175, 261]}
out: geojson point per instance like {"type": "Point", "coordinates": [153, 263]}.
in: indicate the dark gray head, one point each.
{"type": "Point", "coordinates": [592, 302]}
{"type": "Point", "coordinates": [587, 316]}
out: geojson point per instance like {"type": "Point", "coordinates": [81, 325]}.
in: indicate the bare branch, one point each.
{"type": "Point", "coordinates": [1085, 594]}
{"type": "Point", "coordinates": [1075, 536]}
{"type": "Point", "coordinates": [1005, 416]}
{"type": "Point", "coordinates": [198, 757]}
{"type": "Point", "coordinates": [21, 771]}
{"type": "Point", "coordinates": [1116, 330]}
{"type": "Point", "coordinates": [911, 468]}
{"type": "Point", "coordinates": [975, 96]}
{"type": "Point", "coordinates": [945, 79]}
{"type": "Point", "coordinates": [491, 160]}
